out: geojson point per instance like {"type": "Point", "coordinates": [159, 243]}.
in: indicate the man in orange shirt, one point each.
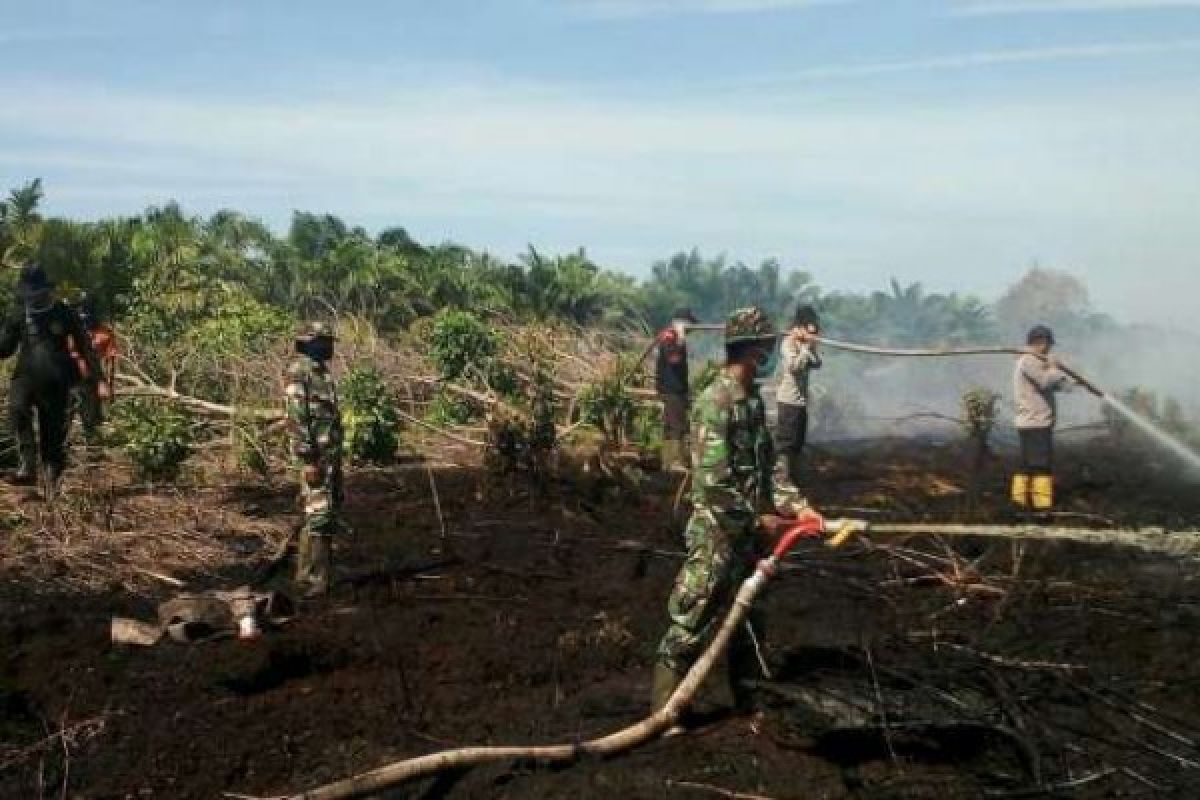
{"type": "Point", "coordinates": [671, 383]}
{"type": "Point", "coordinates": [91, 390]}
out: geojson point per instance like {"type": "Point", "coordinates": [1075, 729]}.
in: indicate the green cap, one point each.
{"type": "Point", "coordinates": [749, 325]}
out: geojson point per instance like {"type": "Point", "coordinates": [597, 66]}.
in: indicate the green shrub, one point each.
{"type": "Point", "coordinates": [156, 436]}
{"type": "Point", "coordinates": [460, 339]}
{"type": "Point", "coordinates": [647, 426]}
{"type": "Point", "coordinates": [520, 443]}
{"type": "Point", "coordinates": [608, 405]}
{"type": "Point", "coordinates": [369, 416]}
{"type": "Point", "coordinates": [447, 410]}
{"type": "Point", "coordinates": [250, 446]}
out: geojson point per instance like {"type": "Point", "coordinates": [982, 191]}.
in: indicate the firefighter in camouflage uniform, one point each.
{"type": "Point", "coordinates": [734, 516]}
{"type": "Point", "coordinates": [315, 429]}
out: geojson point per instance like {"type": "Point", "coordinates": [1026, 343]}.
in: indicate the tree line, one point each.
{"type": "Point", "coordinates": [164, 270]}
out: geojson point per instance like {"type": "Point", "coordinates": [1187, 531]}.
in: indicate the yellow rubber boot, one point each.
{"type": "Point", "coordinates": [1020, 490]}
{"type": "Point", "coordinates": [1043, 492]}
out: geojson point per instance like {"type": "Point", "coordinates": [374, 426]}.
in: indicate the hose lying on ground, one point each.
{"type": "Point", "coordinates": [375, 781]}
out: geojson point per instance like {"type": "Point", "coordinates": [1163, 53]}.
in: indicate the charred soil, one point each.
{"type": "Point", "coordinates": [921, 668]}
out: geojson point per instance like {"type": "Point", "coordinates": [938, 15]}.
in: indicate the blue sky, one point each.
{"type": "Point", "coordinates": [952, 142]}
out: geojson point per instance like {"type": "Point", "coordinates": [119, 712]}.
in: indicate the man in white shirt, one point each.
{"type": "Point", "coordinates": [798, 357]}
{"type": "Point", "coordinates": [1036, 380]}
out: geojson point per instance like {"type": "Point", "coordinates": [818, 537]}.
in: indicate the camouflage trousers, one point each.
{"type": "Point", "coordinates": [322, 502]}
{"type": "Point", "coordinates": [722, 553]}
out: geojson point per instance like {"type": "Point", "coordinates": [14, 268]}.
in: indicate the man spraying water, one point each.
{"type": "Point", "coordinates": [1036, 380]}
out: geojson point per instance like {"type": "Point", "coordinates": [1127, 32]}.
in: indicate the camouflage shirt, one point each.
{"type": "Point", "coordinates": [732, 451]}
{"type": "Point", "coordinates": [314, 419]}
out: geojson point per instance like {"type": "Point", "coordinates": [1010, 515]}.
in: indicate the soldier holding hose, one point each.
{"type": "Point", "coordinates": [733, 508]}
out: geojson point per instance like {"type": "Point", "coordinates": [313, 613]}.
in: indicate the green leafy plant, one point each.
{"type": "Point", "coordinates": [518, 442]}
{"type": "Point", "coordinates": [647, 427]}
{"type": "Point", "coordinates": [608, 405]}
{"type": "Point", "coordinates": [157, 437]}
{"type": "Point", "coordinates": [979, 411]}
{"type": "Point", "coordinates": [446, 410]}
{"type": "Point", "coordinates": [369, 416]}
{"type": "Point", "coordinates": [460, 339]}
{"type": "Point", "coordinates": [250, 446]}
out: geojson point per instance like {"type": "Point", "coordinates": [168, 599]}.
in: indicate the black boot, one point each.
{"type": "Point", "coordinates": [26, 474]}
{"type": "Point", "coordinates": [53, 479]}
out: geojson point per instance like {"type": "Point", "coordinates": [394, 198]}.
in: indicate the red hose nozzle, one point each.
{"type": "Point", "coordinates": [809, 524]}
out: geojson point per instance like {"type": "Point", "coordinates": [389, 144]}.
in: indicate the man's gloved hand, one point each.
{"type": "Point", "coordinates": [773, 524]}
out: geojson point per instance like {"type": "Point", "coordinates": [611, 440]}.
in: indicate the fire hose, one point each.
{"type": "Point", "coordinates": [809, 525]}
{"type": "Point", "coordinates": [948, 352]}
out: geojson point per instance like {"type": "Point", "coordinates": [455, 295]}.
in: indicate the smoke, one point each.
{"type": "Point", "coordinates": [868, 396]}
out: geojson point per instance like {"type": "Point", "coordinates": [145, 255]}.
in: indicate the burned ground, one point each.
{"type": "Point", "coordinates": [921, 668]}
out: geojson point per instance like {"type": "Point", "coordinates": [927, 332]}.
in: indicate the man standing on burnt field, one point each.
{"type": "Point", "coordinates": [798, 359]}
{"type": "Point", "coordinates": [44, 332]}
{"type": "Point", "coordinates": [671, 383]}
{"type": "Point", "coordinates": [314, 422]}
{"type": "Point", "coordinates": [734, 516]}
{"type": "Point", "coordinates": [1036, 380]}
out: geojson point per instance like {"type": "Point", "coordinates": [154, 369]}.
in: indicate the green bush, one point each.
{"type": "Point", "coordinates": [157, 437]}
{"type": "Point", "coordinates": [608, 405]}
{"type": "Point", "coordinates": [647, 427]}
{"type": "Point", "coordinates": [250, 446]}
{"type": "Point", "coordinates": [460, 339]}
{"type": "Point", "coordinates": [447, 410]}
{"type": "Point", "coordinates": [369, 416]}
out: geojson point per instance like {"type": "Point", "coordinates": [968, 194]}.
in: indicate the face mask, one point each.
{"type": "Point", "coordinates": [680, 328]}
{"type": "Point", "coordinates": [318, 350]}
{"type": "Point", "coordinates": [766, 366]}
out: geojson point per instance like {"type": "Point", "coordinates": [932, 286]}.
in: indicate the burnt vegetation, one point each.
{"type": "Point", "coordinates": [511, 541]}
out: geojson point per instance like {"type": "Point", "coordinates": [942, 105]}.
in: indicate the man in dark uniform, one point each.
{"type": "Point", "coordinates": [40, 329]}
{"type": "Point", "coordinates": [671, 383]}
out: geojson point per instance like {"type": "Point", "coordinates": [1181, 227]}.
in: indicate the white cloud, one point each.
{"type": "Point", "coordinates": [958, 193]}
{"type": "Point", "coordinates": [973, 60]}
{"type": "Point", "coordinates": [996, 7]}
{"type": "Point", "coordinates": [629, 9]}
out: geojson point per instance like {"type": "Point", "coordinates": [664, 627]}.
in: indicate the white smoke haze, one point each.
{"type": "Point", "coordinates": [882, 396]}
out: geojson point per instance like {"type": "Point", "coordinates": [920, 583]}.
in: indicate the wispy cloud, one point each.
{"type": "Point", "coordinates": [19, 37]}
{"type": "Point", "coordinates": [631, 9]}
{"type": "Point", "coordinates": [972, 60]}
{"type": "Point", "coordinates": [999, 7]}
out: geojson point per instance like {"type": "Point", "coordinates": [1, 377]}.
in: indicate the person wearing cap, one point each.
{"type": "Point", "coordinates": [89, 393]}
{"type": "Point", "coordinates": [798, 358]}
{"type": "Point", "coordinates": [1036, 380]}
{"type": "Point", "coordinates": [671, 383]}
{"type": "Point", "coordinates": [734, 517]}
{"type": "Point", "coordinates": [314, 424]}
{"type": "Point", "coordinates": [40, 330]}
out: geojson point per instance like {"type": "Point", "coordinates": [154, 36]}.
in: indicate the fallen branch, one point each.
{"type": "Point", "coordinates": [454, 437]}
{"type": "Point", "coordinates": [139, 387]}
